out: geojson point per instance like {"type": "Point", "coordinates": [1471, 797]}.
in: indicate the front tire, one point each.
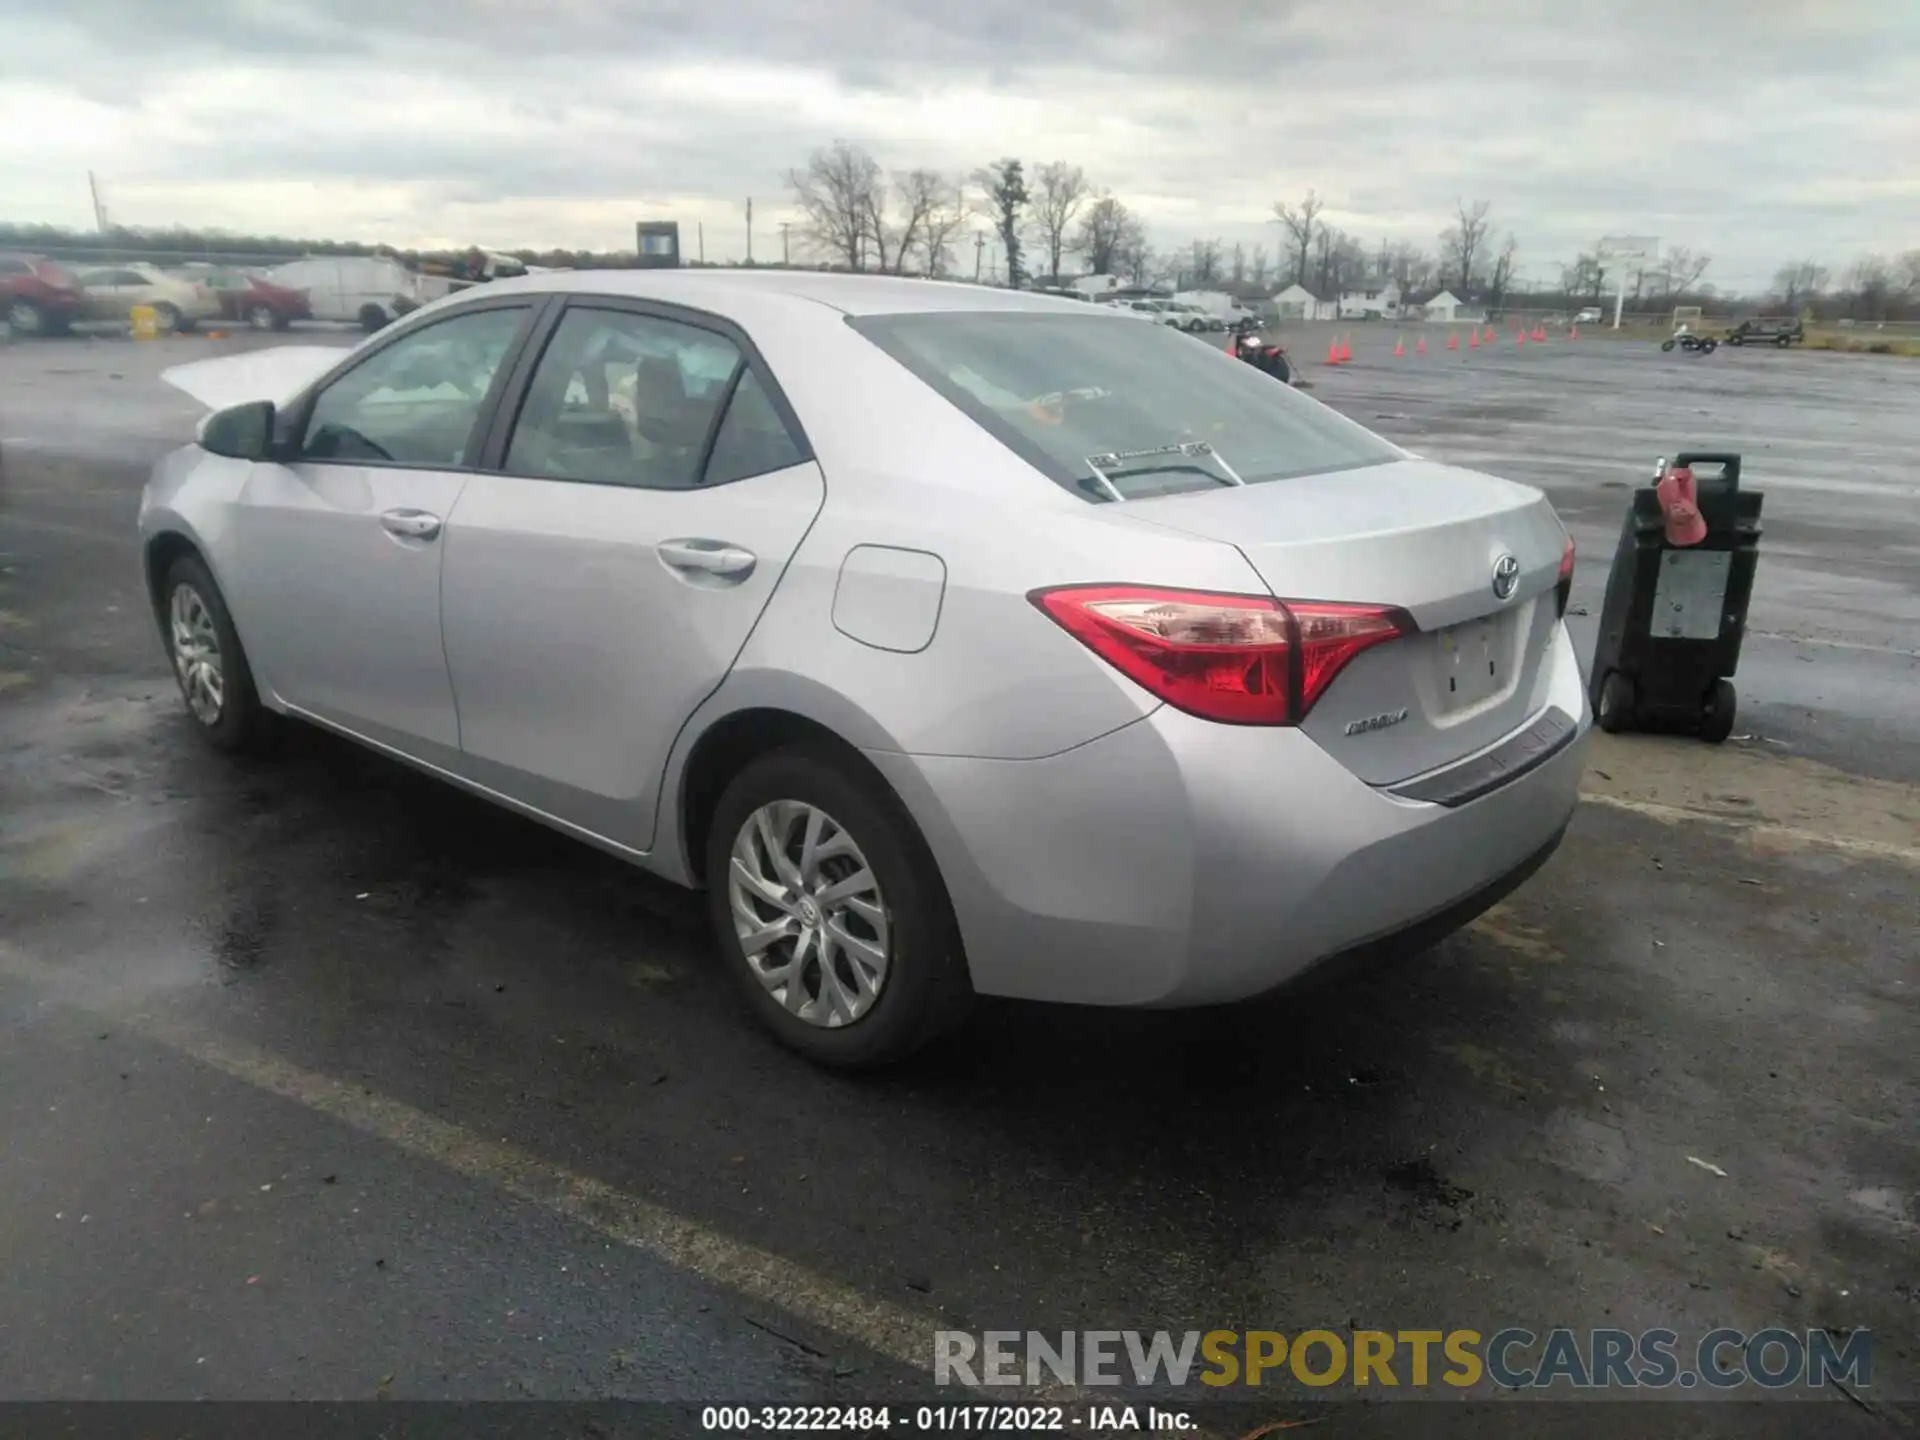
{"type": "Point", "coordinates": [208, 662]}
{"type": "Point", "coordinates": [1784, 341]}
{"type": "Point", "coordinates": [26, 318]}
{"type": "Point", "coordinates": [372, 318]}
{"type": "Point", "coordinates": [261, 317]}
{"type": "Point", "coordinates": [1666, 344]}
{"type": "Point", "coordinates": [829, 910]}
{"type": "Point", "coordinates": [166, 319]}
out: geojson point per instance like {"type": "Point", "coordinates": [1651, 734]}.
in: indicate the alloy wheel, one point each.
{"type": "Point", "coordinates": [809, 914]}
{"type": "Point", "coordinates": [23, 318]}
{"type": "Point", "coordinates": [196, 654]}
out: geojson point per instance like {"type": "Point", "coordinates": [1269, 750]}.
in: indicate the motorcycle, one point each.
{"type": "Point", "coordinates": [1701, 344]}
{"type": "Point", "coordinates": [1257, 351]}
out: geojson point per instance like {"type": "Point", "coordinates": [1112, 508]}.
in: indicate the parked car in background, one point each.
{"type": "Point", "coordinates": [37, 296]}
{"type": "Point", "coordinates": [1781, 330]}
{"type": "Point", "coordinates": [953, 639]}
{"type": "Point", "coordinates": [1218, 306]}
{"type": "Point", "coordinates": [1589, 316]}
{"type": "Point", "coordinates": [178, 303]}
{"type": "Point", "coordinates": [365, 290]}
{"type": "Point", "coordinates": [256, 300]}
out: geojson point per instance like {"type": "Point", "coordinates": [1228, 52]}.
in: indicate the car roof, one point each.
{"type": "Point", "coordinates": [849, 294]}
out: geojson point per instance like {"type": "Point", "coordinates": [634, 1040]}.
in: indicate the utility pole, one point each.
{"type": "Point", "coordinates": [979, 246]}
{"type": "Point", "coordinates": [749, 230]}
{"type": "Point", "coordinates": [99, 206]}
{"type": "Point", "coordinates": [703, 240]}
{"type": "Point", "coordinates": [786, 255]}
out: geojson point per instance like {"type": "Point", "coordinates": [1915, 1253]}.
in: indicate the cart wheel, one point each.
{"type": "Point", "coordinates": [1615, 711]}
{"type": "Point", "coordinates": [1716, 716]}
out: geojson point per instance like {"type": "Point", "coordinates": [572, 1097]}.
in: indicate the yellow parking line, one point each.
{"type": "Point", "coordinates": [1789, 836]}
{"type": "Point", "coordinates": [888, 1329]}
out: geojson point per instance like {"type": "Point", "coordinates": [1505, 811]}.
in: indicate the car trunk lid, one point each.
{"type": "Point", "coordinates": [1424, 538]}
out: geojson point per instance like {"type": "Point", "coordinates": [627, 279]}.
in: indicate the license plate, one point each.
{"type": "Point", "coordinates": [1471, 661]}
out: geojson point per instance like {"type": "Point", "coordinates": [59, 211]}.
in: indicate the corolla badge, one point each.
{"type": "Point", "coordinates": [1368, 723]}
{"type": "Point", "coordinates": [1506, 577]}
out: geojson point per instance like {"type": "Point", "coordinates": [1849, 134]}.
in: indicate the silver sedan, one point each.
{"type": "Point", "coordinates": [954, 641]}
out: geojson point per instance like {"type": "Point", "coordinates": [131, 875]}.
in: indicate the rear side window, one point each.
{"type": "Point", "coordinates": [623, 399]}
{"type": "Point", "coordinates": [752, 439]}
{"type": "Point", "coordinates": [1099, 405]}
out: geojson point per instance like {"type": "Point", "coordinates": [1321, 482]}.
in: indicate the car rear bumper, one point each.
{"type": "Point", "coordinates": [1179, 862]}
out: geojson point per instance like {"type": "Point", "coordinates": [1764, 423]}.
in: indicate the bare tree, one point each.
{"type": "Point", "coordinates": [1680, 270]}
{"type": "Point", "coordinates": [839, 194]}
{"type": "Point", "coordinates": [1869, 286]}
{"type": "Point", "coordinates": [1460, 244]}
{"type": "Point", "coordinates": [1257, 270]}
{"type": "Point", "coordinates": [1102, 232]}
{"type": "Point", "coordinates": [932, 212]}
{"type": "Point", "coordinates": [1005, 184]}
{"type": "Point", "coordinates": [1132, 255]}
{"type": "Point", "coordinates": [1799, 283]}
{"type": "Point", "coordinates": [1907, 275]}
{"type": "Point", "coordinates": [1299, 222]}
{"type": "Point", "coordinates": [1237, 264]}
{"type": "Point", "coordinates": [1501, 280]}
{"type": "Point", "coordinates": [1061, 191]}
{"type": "Point", "coordinates": [1203, 267]}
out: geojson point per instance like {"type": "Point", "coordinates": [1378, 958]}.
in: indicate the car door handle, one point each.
{"type": "Point", "coordinates": [411, 524]}
{"type": "Point", "coordinates": [707, 557]}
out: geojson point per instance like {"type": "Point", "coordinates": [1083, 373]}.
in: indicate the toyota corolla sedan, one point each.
{"type": "Point", "coordinates": [954, 641]}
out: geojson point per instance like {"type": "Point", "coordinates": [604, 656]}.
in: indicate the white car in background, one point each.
{"type": "Point", "coordinates": [178, 303]}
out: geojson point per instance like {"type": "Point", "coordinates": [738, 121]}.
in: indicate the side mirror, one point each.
{"type": "Point", "coordinates": [240, 432]}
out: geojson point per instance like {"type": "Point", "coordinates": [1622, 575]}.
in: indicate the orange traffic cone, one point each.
{"type": "Point", "coordinates": [1539, 334]}
{"type": "Point", "coordinates": [1520, 337]}
{"type": "Point", "coordinates": [1473, 341]}
{"type": "Point", "coordinates": [1333, 350]}
{"type": "Point", "coordinates": [1490, 336]}
{"type": "Point", "coordinates": [1346, 350]}
{"type": "Point", "coordinates": [1399, 349]}
{"type": "Point", "coordinates": [1453, 341]}
{"type": "Point", "coordinates": [1573, 332]}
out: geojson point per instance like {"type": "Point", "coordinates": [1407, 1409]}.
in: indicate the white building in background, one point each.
{"type": "Point", "coordinates": [1442, 307]}
{"type": "Point", "coordinates": [1378, 298]}
{"type": "Point", "coordinates": [1296, 302]}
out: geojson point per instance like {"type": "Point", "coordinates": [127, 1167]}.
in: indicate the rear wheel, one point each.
{"type": "Point", "coordinates": [211, 668]}
{"type": "Point", "coordinates": [831, 913]}
{"type": "Point", "coordinates": [372, 318]}
{"type": "Point", "coordinates": [1707, 347]}
{"type": "Point", "coordinates": [166, 318]}
{"type": "Point", "coordinates": [261, 317]}
{"type": "Point", "coordinates": [1716, 715]}
{"type": "Point", "coordinates": [1614, 713]}
{"type": "Point", "coordinates": [1736, 340]}
{"type": "Point", "coordinates": [1784, 341]}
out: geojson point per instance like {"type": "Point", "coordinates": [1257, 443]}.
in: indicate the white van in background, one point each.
{"type": "Point", "coordinates": [1218, 304]}
{"type": "Point", "coordinates": [366, 290]}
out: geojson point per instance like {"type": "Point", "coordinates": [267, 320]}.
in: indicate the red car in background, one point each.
{"type": "Point", "coordinates": [256, 301]}
{"type": "Point", "coordinates": [37, 297]}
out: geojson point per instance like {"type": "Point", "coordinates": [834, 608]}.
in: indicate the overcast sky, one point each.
{"type": "Point", "coordinates": [1757, 130]}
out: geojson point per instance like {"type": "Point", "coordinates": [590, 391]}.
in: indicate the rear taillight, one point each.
{"type": "Point", "coordinates": [1238, 659]}
{"type": "Point", "coordinates": [1563, 588]}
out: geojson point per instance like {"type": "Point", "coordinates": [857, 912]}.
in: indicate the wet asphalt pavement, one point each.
{"type": "Point", "coordinates": [318, 1079]}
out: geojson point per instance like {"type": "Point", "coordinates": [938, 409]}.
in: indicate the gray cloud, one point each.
{"type": "Point", "coordinates": [1754, 130]}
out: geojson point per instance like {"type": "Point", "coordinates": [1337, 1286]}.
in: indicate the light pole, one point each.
{"type": "Point", "coordinates": [786, 255]}
{"type": "Point", "coordinates": [979, 248]}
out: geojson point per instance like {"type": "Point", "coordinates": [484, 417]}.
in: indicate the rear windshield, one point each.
{"type": "Point", "coordinates": [1102, 405]}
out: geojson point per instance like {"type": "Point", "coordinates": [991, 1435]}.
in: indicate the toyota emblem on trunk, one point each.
{"type": "Point", "coordinates": [1506, 577]}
